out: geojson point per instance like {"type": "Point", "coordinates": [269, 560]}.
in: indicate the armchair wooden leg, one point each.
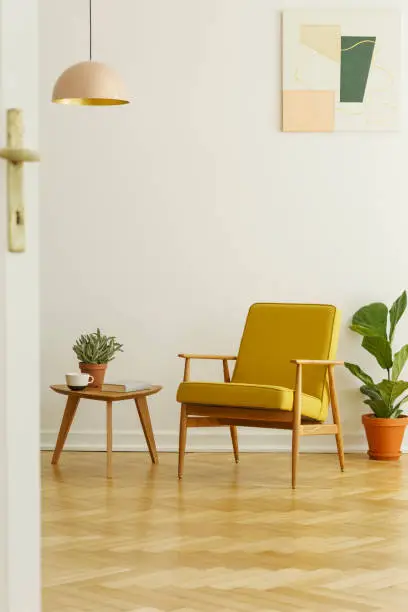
{"type": "Point", "coordinates": [234, 438]}
{"type": "Point", "coordinates": [295, 456]}
{"type": "Point", "coordinates": [297, 415]}
{"type": "Point", "coordinates": [182, 440]}
{"type": "Point", "coordinates": [336, 418]}
{"type": "Point", "coordinates": [233, 429]}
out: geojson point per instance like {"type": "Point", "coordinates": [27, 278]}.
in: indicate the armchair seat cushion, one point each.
{"type": "Point", "coordinates": [247, 396]}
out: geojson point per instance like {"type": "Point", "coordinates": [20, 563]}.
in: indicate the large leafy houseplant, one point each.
{"type": "Point", "coordinates": [376, 324]}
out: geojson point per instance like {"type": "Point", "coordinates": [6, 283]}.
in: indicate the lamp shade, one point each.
{"type": "Point", "coordinates": [89, 84]}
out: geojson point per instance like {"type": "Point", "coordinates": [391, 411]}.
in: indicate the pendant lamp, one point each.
{"type": "Point", "coordinates": [89, 83]}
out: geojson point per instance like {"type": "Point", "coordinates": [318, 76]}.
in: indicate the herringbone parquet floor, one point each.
{"type": "Point", "coordinates": [229, 538]}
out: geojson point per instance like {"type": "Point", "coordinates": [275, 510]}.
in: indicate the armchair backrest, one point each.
{"type": "Point", "coordinates": [276, 333]}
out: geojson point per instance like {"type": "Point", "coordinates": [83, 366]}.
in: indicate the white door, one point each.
{"type": "Point", "coordinates": [19, 328]}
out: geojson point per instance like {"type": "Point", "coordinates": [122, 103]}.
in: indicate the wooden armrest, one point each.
{"type": "Point", "coordinates": [323, 362]}
{"type": "Point", "coordinates": [192, 356]}
{"type": "Point", "coordinates": [223, 358]}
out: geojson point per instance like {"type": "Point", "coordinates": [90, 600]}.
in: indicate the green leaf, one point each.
{"type": "Point", "coordinates": [378, 407]}
{"type": "Point", "coordinates": [380, 348]}
{"type": "Point", "coordinates": [400, 360]}
{"type": "Point", "coordinates": [400, 386]}
{"type": "Point", "coordinates": [383, 397]}
{"type": "Point", "coordinates": [371, 320]}
{"type": "Point", "coordinates": [359, 373]}
{"type": "Point", "coordinates": [396, 414]}
{"type": "Point", "coordinates": [390, 390]}
{"type": "Point", "coordinates": [385, 388]}
{"type": "Point", "coordinates": [403, 401]}
{"type": "Point", "coordinates": [371, 391]}
{"type": "Point", "coordinates": [396, 312]}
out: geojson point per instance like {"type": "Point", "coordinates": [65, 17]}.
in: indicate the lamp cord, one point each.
{"type": "Point", "coordinates": [90, 30]}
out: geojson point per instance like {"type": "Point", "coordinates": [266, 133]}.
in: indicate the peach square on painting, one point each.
{"type": "Point", "coordinates": [308, 111]}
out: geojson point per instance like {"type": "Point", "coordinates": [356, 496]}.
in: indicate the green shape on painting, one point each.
{"type": "Point", "coordinates": [356, 56]}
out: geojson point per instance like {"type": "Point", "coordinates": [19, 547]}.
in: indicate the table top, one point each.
{"type": "Point", "coordinates": [103, 394]}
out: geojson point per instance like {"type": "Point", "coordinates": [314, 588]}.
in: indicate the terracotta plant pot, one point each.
{"type": "Point", "coordinates": [97, 370]}
{"type": "Point", "coordinates": [384, 437]}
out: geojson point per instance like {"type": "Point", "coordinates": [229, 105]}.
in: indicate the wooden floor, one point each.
{"type": "Point", "coordinates": [228, 538]}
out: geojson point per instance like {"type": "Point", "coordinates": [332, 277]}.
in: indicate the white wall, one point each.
{"type": "Point", "coordinates": [19, 328]}
{"type": "Point", "coordinates": [164, 220]}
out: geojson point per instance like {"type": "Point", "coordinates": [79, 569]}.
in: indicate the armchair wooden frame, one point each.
{"type": "Point", "coordinates": [197, 415]}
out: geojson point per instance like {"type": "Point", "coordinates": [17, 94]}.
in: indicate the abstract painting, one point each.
{"type": "Point", "coordinates": [341, 70]}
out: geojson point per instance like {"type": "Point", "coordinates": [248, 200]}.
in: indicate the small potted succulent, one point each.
{"type": "Point", "coordinates": [386, 426]}
{"type": "Point", "coordinates": [94, 351]}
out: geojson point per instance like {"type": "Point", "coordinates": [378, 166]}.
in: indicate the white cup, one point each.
{"type": "Point", "coordinates": [77, 381]}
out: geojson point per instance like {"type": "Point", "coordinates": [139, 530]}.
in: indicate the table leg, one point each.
{"type": "Point", "coordinates": [143, 410]}
{"type": "Point", "coordinates": [67, 419]}
{"type": "Point", "coordinates": [109, 439]}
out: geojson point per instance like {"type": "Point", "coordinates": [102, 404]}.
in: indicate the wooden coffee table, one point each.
{"type": "Point", "coordinates": [109, 397]}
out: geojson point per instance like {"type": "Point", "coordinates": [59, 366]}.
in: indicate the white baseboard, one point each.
{"type": "Point", "coordinates": [217, 440]}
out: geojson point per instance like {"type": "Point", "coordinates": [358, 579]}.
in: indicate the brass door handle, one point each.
{"type": "Point", "coordinates": [16, 156]}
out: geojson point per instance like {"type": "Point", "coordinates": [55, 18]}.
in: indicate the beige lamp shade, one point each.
{"type": "Point", "coordinates": [89, 84]}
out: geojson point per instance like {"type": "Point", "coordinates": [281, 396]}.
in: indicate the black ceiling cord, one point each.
{"type": "Point", "coordinates": [90, 30]}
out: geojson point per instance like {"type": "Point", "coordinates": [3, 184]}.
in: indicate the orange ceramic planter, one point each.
{"type": "Point", "coordinates": [384, 437]}
{"type": "Point", "coordinates": [97, 370]}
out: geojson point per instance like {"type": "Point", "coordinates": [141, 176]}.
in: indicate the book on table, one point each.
{"type": "Point", "coordinates": [127, 386]}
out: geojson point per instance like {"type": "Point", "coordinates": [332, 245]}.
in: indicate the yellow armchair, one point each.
{"type": "Point", "coordinates": [283, 379]}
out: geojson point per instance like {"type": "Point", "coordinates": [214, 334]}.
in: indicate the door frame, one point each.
{"type": "Point", "coordinates": [19, 328]}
